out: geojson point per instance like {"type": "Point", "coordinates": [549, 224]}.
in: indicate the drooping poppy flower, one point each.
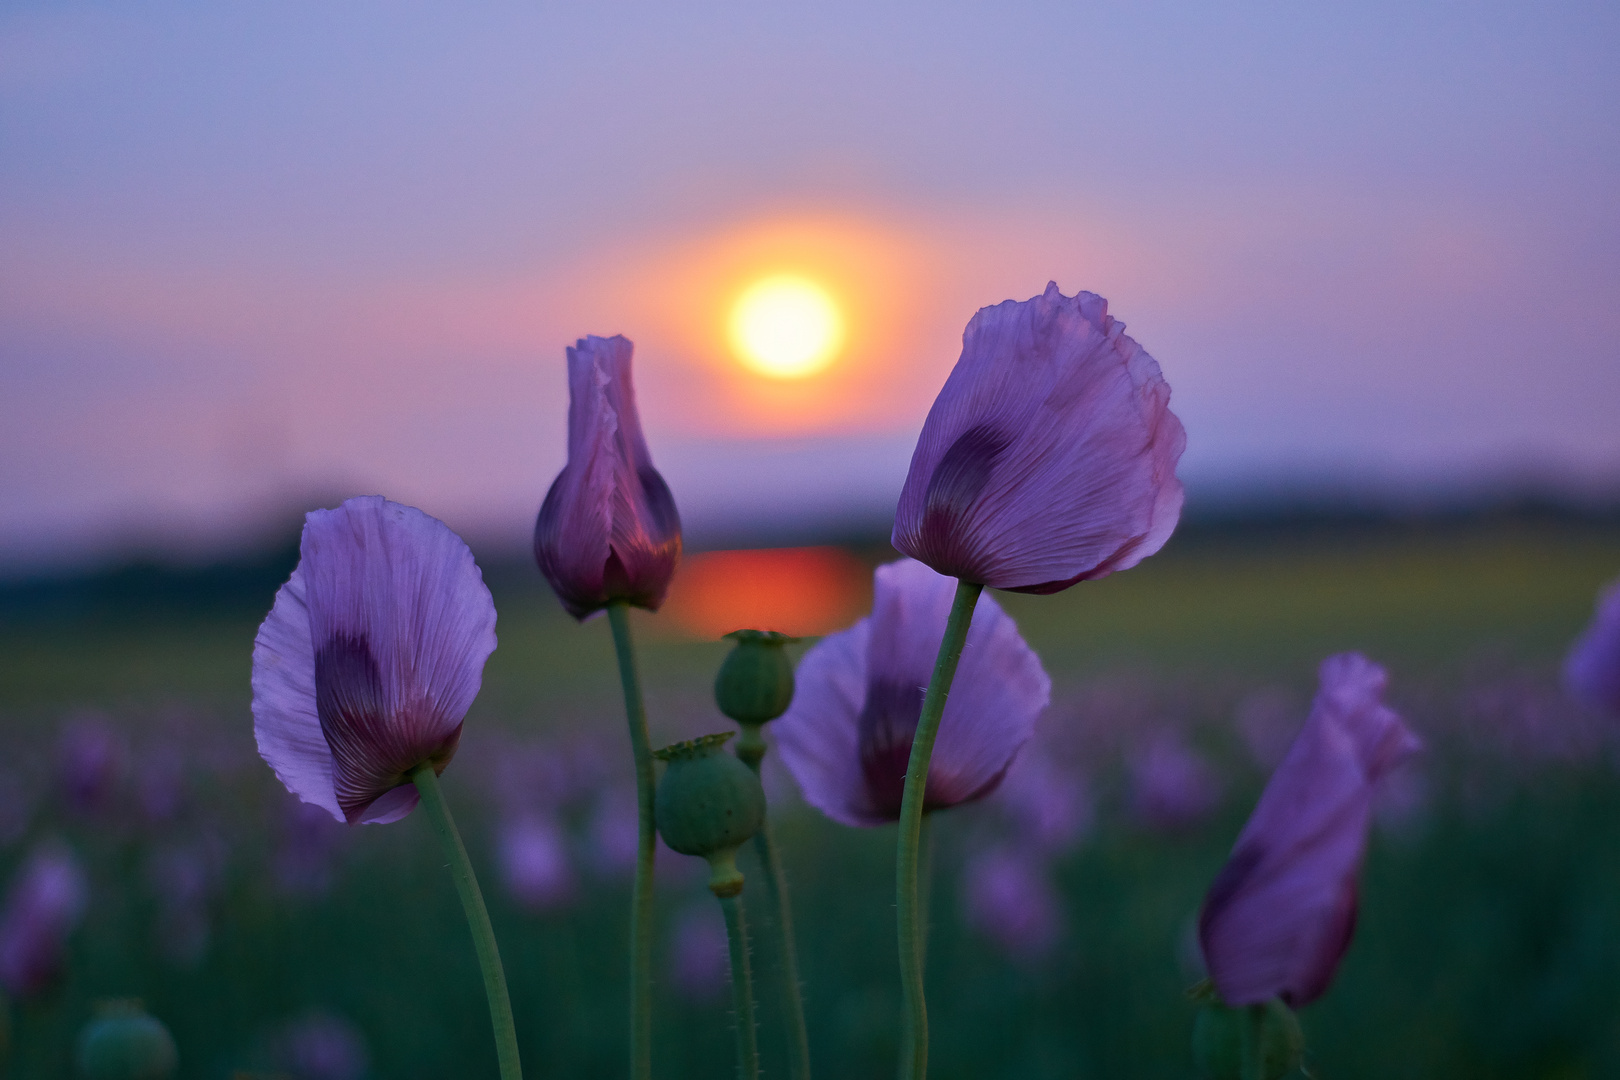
{"type": "Point", "coordinates": [1592, 670]}
{"type": "Point", "coordinates": [847, 736]}
{"type": "Point", "coordinates": [1049, 457]}
{"type": "Point", "coordinates": [608, 529]}
{"type": "Point", "coordinates": [46, 903]}
{"type": "Point", "coordinates": [1279, 916]}
{"type": "Point", "coordinates": [370, 658]}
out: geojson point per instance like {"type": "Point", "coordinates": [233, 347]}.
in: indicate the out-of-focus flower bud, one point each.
{"type": "Point", "coordinates": [1592, 670]}
{"type": "Point", "coordinates": [124, 1042]}
{"type": "Point", "coordinates": [323, 1046]}
{"type": "Point", "coordinates": [709, 804]}
{"type": "Point", "coordinates": [608, 530]}
{"type": "Point", "coordinates": [46, 903]}
{"type": "Point", "coordinates": [91, 757]}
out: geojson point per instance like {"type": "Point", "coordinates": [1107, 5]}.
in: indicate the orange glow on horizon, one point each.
{"type": "Point", "coordinates": [801, 591]}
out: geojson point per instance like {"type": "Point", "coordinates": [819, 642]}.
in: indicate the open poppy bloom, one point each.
{"type": "Point", "coordinates": [608, 529]}
{"type": "Point", "coordinates": [1280, 914]}
{"type": "Point", "coordinates": [370, 658]}
{"type": "Point", "coordinates": [847, 736]}
{"type": "Point", "coordinates": [1049, 457]}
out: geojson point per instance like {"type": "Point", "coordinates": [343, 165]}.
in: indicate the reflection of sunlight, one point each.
{"type": "Point", "coordinates": [786, 327]}
{"type": "Point", "coordinates": [801, 591]}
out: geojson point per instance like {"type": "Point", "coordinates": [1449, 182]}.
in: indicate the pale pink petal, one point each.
{"type": "Point", "coordinates": [1049, 456]}
{"type": "Point", "coordinates": [819, 737]}
{"type": "Point", "coordinates": [1279, 915]}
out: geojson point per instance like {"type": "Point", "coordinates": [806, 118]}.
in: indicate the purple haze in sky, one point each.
{"type": "Point", "coordinates": [257, 257]}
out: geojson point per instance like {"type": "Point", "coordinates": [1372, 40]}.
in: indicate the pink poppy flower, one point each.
{"type": "Point", "coordinates": [608, 529]}
{"type": "Point", "coordinates": [1280, 915]}
{"type": "Point", "coordinates": [1592, 671]}
{"type": "Point", "coordinates": [1049, 457]}
{"type": "Point", "coordinates": [370, 658]}
{"type": "Point", "coordinates": [847, 736]}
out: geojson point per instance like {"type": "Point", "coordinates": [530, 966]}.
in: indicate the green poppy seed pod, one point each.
{"type": "Point", "coordinates": [124, 1042]}
{"type": "Point", "coordinates": [1226, 1040]}
{"type": "Point", "coordinates": [755, 684]}
{"type": "Point", "coordinates": [708, 803]}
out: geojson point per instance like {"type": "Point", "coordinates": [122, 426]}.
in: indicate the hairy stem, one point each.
{"type": "Point", "coordinates": [472, 901]}
{"type": "Point", "coordinates": [641, 909]}
{"type": "Point", "coordinates": [908, 918]}
{"type": "Point", "coordinates": [742, 987]}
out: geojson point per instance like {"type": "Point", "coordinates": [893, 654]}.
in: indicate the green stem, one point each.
{"type": "Point", "coordinates": [641, 908]}
{"type": "Point", "coordinates": [742, 987]}
{"type": "Point", "coordinates": [1254, 1019]}
{"type": "Point", "coordinates": [907, 858]}
{"type": "Point", "coordinates": [472, 901]}
{"type": "Point", "coordinates": [925, 895]}
{"type": "Point", "coordinates": [752, 751]}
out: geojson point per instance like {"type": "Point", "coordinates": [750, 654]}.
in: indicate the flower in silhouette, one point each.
{"type": "Point", "coordinates": [370, 658]}
{"type": "Point", "coordinates": [1280, 915]}
{"type": "Point", "coordinates": [608, 530]}
{"type": "Point", "coordinates": [47, 900]}
{"type": "Point", "coordinates": [1049, 457]}
{"type": "Point", "coordinates": [1592, 670]}
{"type": "Point", "coordinates": [847, 736]}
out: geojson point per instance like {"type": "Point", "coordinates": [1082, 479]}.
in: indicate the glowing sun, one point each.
{"type": "Point", "coordinates": [786, 327]}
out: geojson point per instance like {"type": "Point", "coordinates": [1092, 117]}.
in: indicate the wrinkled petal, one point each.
{"type": "Point", "coordinates": [1049, 456]}
{"type": "Point", "coordinates": [1279, 916]}
{"type": "Point", "coordinates": [373, 653]}
{"type": "Point", "coordinates": [1592, 670]}
{"type": "Point", "coordinates": [608, 529]}
{"type": "Point", "coordinates": [847, 736]}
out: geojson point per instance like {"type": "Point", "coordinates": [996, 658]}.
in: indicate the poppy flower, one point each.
{"type": "Point", "coordinates": [1280, 915]}
{"type": "Point", "coordinates": [1592, 671]}
{"type": "Point", "coordinates": [45, 905]}
{"type": "Point", "coordinates": [847, 736]}
{"type": "Point", "coordinates": [608, 529]}
{"type": "Point", "coordinates": [1049, 457]}
{"type": "Point", "coordinates": [370, 658]}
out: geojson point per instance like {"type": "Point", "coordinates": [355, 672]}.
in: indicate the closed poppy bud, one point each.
{"type": "Point", "coordinates": [1049, 457]}
{"type": "Point", "coordinates": [1592, 671]}
{"type": "Point", "coordinates": [608, 530]}
{"type": "Point", "coordinates": [709, 804]}
{"type": "Point", "coordinates": [1280, 914]}
{"type": "Point", "coordinates": [124, 1042]}
{"type": "Point", "coordinates": [370, 658]}
{"type": "Point", "coordinates": [755, 684]}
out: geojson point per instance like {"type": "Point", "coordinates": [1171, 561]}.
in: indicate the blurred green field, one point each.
{"type": "Point", "coordinates": [1490, 934]}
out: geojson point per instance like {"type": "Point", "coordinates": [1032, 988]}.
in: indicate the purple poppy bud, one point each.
{"type": "Point", "coordinates": [90, 760]}
{"type": "Point", "coordinates": [370, 658]}
{"type": "Point", "coordinates": [1592, 671]}
{"type": "Point", "coordinates": [847, 736]}
{"type": "Point", "coordinates": [1279, 916]}
{"type": "Point", "coordinates": [608, 529]}
{"type": "Point", "coordinates": [1007, 897]}
{"type": "Point", "coordinates": [534, 862]}
{"type": "Point", "coordinates": [323, 1046]}
{"type": "Point", "coordinates": [1049, 457]}
{"type": "Point", "coordinates": [46, 903]}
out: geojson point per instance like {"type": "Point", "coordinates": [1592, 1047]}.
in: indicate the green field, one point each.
{"type": "Point", "coordinates": [1490, 937]}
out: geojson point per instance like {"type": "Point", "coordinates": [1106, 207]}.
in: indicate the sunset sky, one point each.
{"type": "Point", "coordinates": [254, 255]}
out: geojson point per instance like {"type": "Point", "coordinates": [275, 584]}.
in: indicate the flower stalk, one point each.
{"type": "Point", "coordinates": [909, 919]}
{"type": "Point", "coordinates": [641, 909]}
{"type": "Point", "coordinates": [742, 988]}
{"type": "Point", "coordinates": [472, 902]}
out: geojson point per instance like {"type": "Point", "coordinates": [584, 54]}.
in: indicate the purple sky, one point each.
{"type": "Point", "coordinates": [253, 255]}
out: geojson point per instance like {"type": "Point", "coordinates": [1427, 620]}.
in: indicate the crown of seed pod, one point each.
{"type": "Point", "coordinates": [709, 804]}
{"type": "Point", "coordinates": [124, 1042]}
